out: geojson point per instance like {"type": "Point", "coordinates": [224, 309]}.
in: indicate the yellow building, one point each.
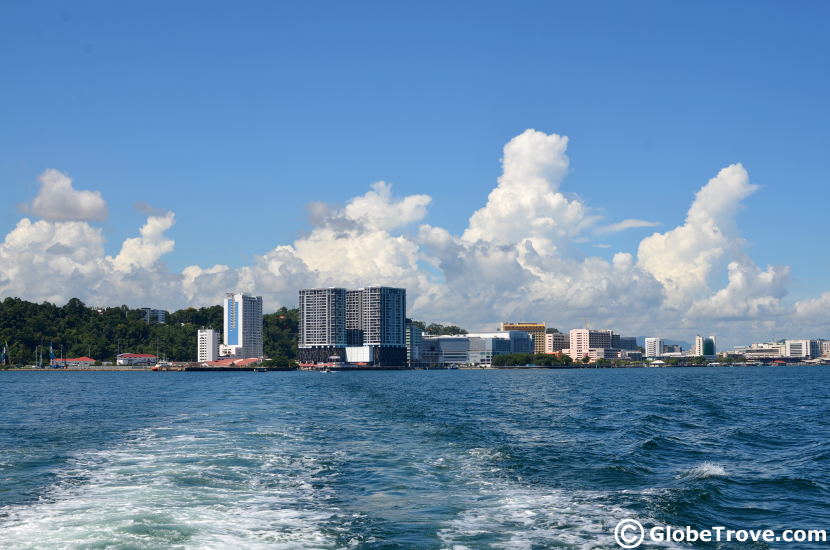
{"type": "Point", "coordinates": [537, 330]}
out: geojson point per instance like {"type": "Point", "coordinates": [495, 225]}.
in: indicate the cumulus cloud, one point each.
{"type": "Point", "coordinates": [684, 258]}
{"type": "Point", "coordinates": [527, 203]}
{"type": "Point", "coordinates": [145, 251]}
{"type": "Point", "coordinates": [515, 259]}
{"type": "Point", "coordinates": [59, 201]}
{"type": "Point", "coordinates": [623, 225]}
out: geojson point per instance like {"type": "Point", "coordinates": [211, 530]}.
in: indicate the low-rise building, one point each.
{"type": "Point", "coordinates": [475, 348]}
{"type": "Point", "coordinates": [74, 363]}
{"type": "Point", "coordinates": [136, 359]}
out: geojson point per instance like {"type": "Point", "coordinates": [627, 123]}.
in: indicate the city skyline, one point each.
{"type": "Point", "coordinates": [640, 187]}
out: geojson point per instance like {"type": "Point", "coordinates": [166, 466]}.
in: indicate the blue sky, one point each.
{"type": "Point", "coordinates": [208, 108]}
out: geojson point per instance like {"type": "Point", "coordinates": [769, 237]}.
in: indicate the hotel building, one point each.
{"type": "Point", "coordinates": [243, 326]}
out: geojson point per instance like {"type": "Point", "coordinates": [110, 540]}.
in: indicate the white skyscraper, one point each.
{"type": "Point", "coordinates": [208, 345]}
{"type": "Point", "coordinates": [243, 326]}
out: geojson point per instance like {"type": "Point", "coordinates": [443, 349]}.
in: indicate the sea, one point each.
{"type": "Point", "coordinates": [457, 459]}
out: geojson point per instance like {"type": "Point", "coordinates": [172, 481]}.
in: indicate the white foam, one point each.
{"type": "Point", "coordinates": [510, 514]}
{"type": "Point", "coordinates": [178, 491]}
{"type": "Point", "coordinates": [706, 470]}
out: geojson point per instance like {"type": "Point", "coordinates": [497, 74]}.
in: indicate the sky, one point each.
{"type": "Point", "coordinates": [657, 168]}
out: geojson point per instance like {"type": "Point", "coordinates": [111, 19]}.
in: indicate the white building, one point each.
{"type": "Point", "coordinates": [654, 347]}
{"type": "Point", "coordinates": [582, 340]}
{"type": "Point", "coordinates": [705, 347]}
{"type": "Point", "coordinates": [207, 345]}
{"type": "Point", "coordinates": [243, 326]}
{"type": "Point", "coordinates": [801, 349]}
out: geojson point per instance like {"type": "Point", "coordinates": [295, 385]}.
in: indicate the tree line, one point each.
{"type": "Point", "coordinates": [76, 330]}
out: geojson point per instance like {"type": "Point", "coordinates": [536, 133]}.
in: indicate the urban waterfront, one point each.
{"type": "Point", "coordinates": [407, 459]}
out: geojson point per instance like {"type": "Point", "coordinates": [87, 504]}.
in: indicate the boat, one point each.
{"type": "Point", "coordinates": [261, 369]}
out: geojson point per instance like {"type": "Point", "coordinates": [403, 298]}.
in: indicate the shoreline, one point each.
{"type": "Point", "coordinates": [348, 369]}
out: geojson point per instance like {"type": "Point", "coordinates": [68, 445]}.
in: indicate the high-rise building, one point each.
{"type": "Point", "coordinates": [207, 345]}
{"type": "Point", "coordinates": [243, 326]}
{"type": "Point", "coordinates": [654, 347]}
{"type": "Point", "coordinates": [376, 317]}
{"type": "Point", "coordinates": [704, 347]}
{"type": "Point", "coordinates": [582, 340]}
{"type": "Point", "coordinates": [332, 319]}
{"type": "Point", "coordinates": [354, 327]}
{"type": "Point", "coordinates": [322, 325]}
{"type": "Point", "coordinates": [556, 342]}
{"type": "Point", "coordinates": [536, 330]}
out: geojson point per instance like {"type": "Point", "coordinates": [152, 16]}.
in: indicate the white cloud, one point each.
{"type": "Point", "coordinates": [684, 258]}
{"type": "Point", "coordinates": [59, 201]}
{"type": "Point", "coordinates": [145, 251]}
{"type": "Point", "coordinates": [515, 260]}
{"type": "Point", "coordinates": [623, 225]}
{"type": "Point", "coordinates": [527, 203]}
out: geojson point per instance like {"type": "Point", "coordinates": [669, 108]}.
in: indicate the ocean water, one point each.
{"type": "Point", "coordinates": [521, 459]}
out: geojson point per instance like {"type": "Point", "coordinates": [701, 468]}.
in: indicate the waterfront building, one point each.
{"type": "Point", "coordinates": [758, 351]}
{"type": "Point", "coordinates": [414, 336]}
{"type": "Point", "coordinates": [207, 345]}
{"type": "Point", "coordinates": [654, 347]}
{"type": "Point", "coordinates": [74, 362]}
{"type": "Point", "coordinates": [582, 340]}
{"type": "Point", "coordinates": [322, 325]}
{"type": "Point", "coordinates": [376, 317]}
{"type": "Point", "coordinates": [243, 326]}
{"type": "Point", "coordinates": [136, 359]}
{"type": "Point", "coordinates": [704, 347]}
{"type": "Point", "coordinates": [474, 348]}
{"type": "Point", "coordinates": [801, 349]}
{"type": "Point", "coordinates": [536, 330]}
{"type": "Point", "coordinates": [333, 319]}
{"type": "Point", "coordinates": [825, 348]}
{"type": "Point", "coordinates": [154, 316]}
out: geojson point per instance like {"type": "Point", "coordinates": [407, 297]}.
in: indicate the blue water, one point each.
{"type": "Point", "coordinates": [413, 459]}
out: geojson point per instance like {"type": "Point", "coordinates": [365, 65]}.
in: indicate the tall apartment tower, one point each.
{"type": "Point", "coordinates": [322, 325]}
{"type": "Point", "coordinates": [243, 326]}
{"type": "Point", "coordinates": [207, 345]}
{"type": "Point", "coordinates": [376, 317]}
{"type": "Point", "coordinates": [537, 330]}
